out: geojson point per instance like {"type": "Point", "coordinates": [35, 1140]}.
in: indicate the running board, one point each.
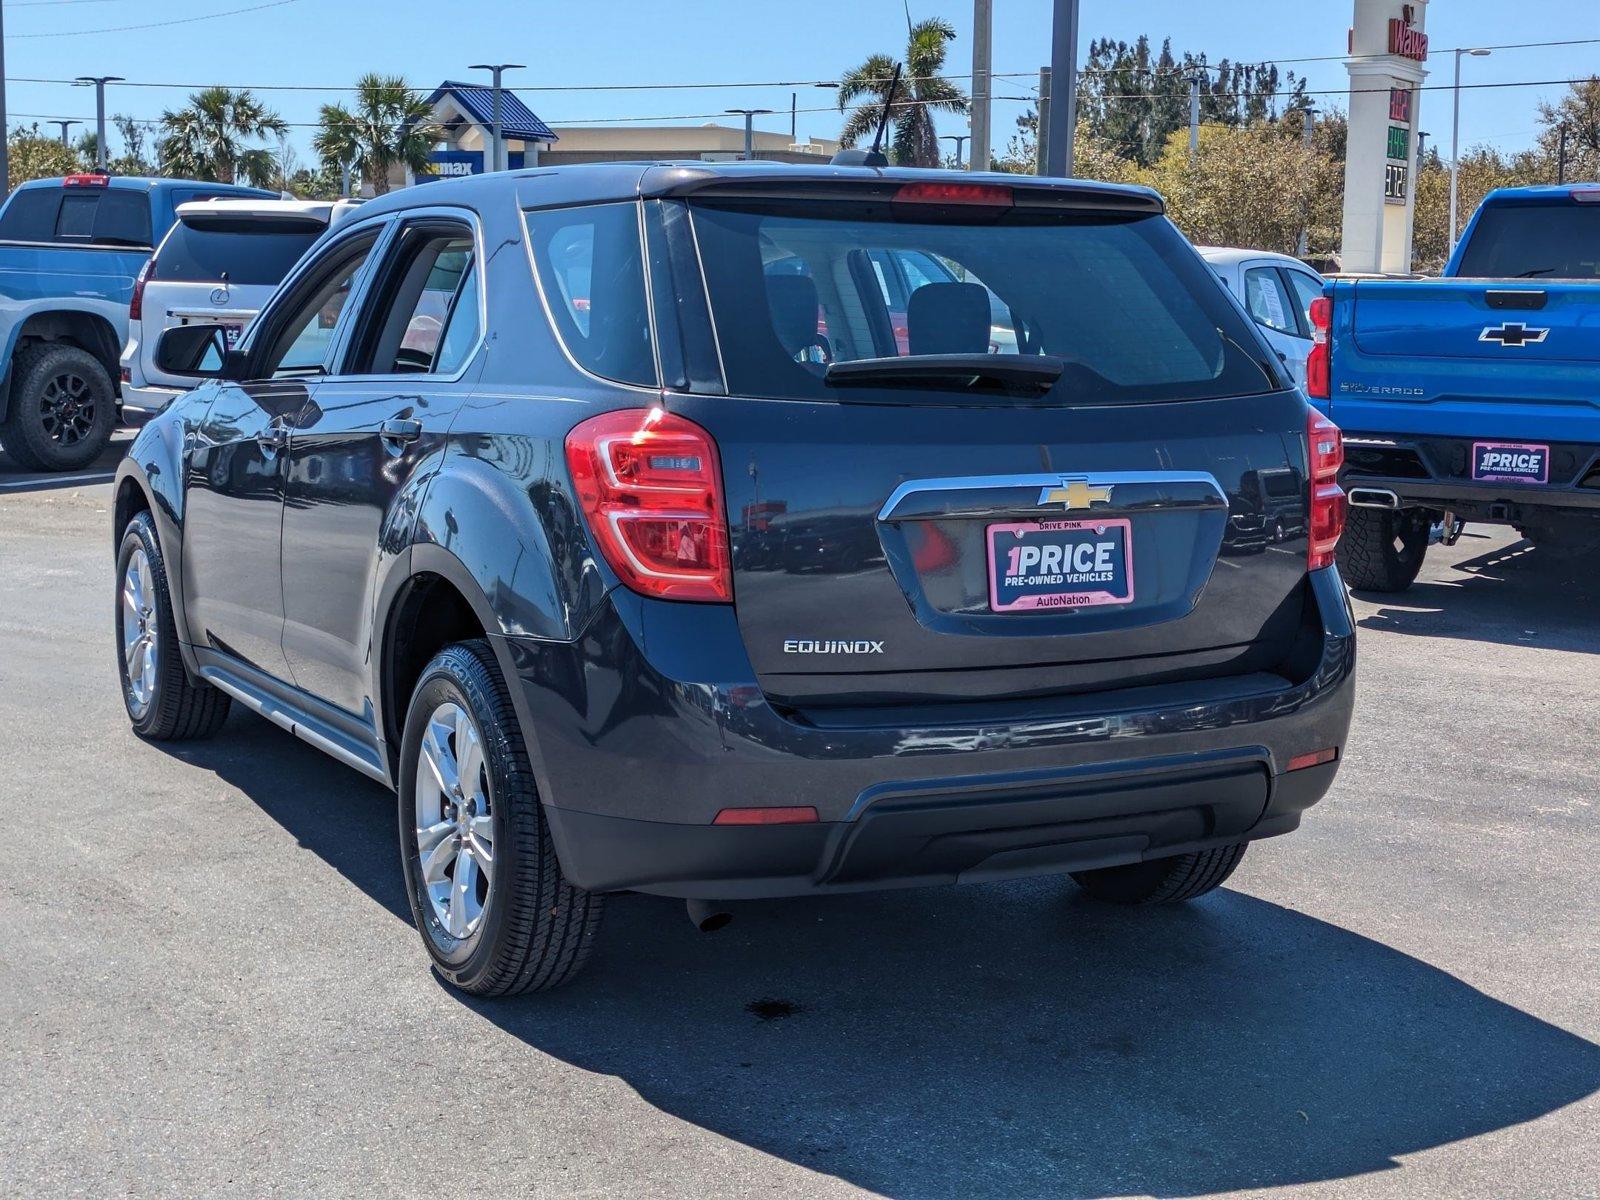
{"type": "Point", "coordinates": [324, 735]}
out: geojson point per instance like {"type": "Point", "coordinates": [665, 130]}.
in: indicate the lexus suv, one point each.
{"type": "Point", "coordinates": [605, 515]}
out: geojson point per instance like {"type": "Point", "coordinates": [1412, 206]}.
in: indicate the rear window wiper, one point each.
{"type": "Point", "coordinates": [960, 372]}
{"type": "Point", "coordinates": [1529, 274]}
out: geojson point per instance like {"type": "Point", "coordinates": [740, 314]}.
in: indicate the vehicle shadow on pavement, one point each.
{"type": "Point", "coordinates": [1514, 594]}
{"type": "Point", "coordinates": [998, 1039]}
{"type": "Point", "coordinates": [1020, 1039]}
{"type": "Point", "coordinates": [16, 479]}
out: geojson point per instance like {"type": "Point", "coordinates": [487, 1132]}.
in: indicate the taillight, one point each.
{"type": "Point", "coordinates": [1318, 384]}
{"type": "Point", "coordinates": [650, 484]}
{"type": "Point", "coordinates": [1325, 455]}
{"type": "Point", "coordinates": [136, 302]}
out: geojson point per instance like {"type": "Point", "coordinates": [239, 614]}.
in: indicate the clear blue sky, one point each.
{"type": "Point", "coordinates": [329, 42]}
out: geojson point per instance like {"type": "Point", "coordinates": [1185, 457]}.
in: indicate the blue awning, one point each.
{"type": "Point", "coordinates": [517, 121]}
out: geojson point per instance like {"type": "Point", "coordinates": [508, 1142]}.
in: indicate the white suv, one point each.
{"type": "Point", "coordinates": [218, 263]}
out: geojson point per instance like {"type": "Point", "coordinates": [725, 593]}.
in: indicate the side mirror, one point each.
{"type": "Point", "coordinates": [197, 352]}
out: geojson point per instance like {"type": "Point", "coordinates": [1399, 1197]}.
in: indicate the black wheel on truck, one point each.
{"type": "Point", "coordinates": [1382, 550]}
{"type": "Point", "coordinates": [63, 408]}
{"type": "Point", "coordinates": [495, 912]}
{"type": "Point", "coordinates": [1163, 880]}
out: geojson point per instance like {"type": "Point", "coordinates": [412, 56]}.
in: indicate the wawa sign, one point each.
{"type": "Point", "coordinates": [1406, 40]}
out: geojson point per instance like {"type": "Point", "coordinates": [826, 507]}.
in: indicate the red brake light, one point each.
{"type": "Point", "coordinates": [766, 816]}
{"type": "Point", "coordinates": [1325, 455]}
{"type": "Point", "coordinates": [86, 180]}
{"type": "Point", "coordinates": [1318, 382]}
{"type": "Point", "coordinates": [991, 195]}
{"type": "Point", "coordinates": [650, 484]}
{"type": "Point", "coordinates": [136, 301]}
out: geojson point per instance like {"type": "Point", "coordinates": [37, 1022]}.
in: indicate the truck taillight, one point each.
{"type": "Point", "coordinates": [1324, 457]}
{"type": "Point", "coordinates": [650, 485]}
{"type": "Point", "coordinates": [1318, 385]}
{"type": "Point", "coordinates": [136, 302]}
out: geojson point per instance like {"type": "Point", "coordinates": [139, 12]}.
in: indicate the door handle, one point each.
{"type": "Point", "coordinates": [400, 430]}
{"type": "Point", "coordinates": [273, 438]}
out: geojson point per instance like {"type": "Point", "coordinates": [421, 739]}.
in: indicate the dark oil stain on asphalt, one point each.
{"type": "Point", "coordinates": [769, 1009]}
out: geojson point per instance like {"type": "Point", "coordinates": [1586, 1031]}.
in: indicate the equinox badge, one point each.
{"type": "Point", "coordinates": [1075, 492]}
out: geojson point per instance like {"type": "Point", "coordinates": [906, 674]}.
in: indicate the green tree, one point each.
{"type": "Point", "coordinates": [36, 155]}
{"type": "Point", "coordinates": [923, 91]}
{"type": "Point", "coordinates": [1579, 112]}
{"type": "Point", "coordinates": [208, 138]}
{"type": "Point", "coordinates": [390, 124]}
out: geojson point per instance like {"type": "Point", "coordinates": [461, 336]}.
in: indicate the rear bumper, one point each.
{"type": "Point", "coordinates": [635, 756]}
{"type": "Point", "coordinates": [1433, 473]}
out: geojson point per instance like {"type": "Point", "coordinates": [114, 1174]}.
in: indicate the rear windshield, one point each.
{"type": "Point", "coordinates": [249, 251]}
{"type": "Point", "coordinates": [1534, 241]}
{"type": "Point", "coordinates": [1135, 314]}
{"type": "Point", "coordinates": [78, 216]}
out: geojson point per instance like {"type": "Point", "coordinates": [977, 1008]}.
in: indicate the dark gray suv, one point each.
{"type": "Point", "coordinates": [750, 530]}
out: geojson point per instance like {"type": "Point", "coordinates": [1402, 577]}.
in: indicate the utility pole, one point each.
{"type": "Point", "coordinates": [1561, 156]}
{"type": "Point", "coordinates": [1194, 115]}
{"type": "Point", "coordinates": [794, 117]}
{"type": "Point", "coordinates": [982, 81]}
{"type": "Point", "coordinates": [1455, 143]}
{"type": "Point", "coordinates": [1042, 131]}
{"type": "Point", "coordinates": [496, 125]}
{"type": "Point", "coordinates": [749, 115]}
{"type": "Point", "coordinates": [1064, 79]}
{"type": "Point", "coordinates": [64, 127]}
{"type": "Point", "coordinates": [1303, 246]}
{"type": "Point", "coordinates": [99, 82]}
{"type": "Point", "coordinates": [958, 139]}
{"type": "Point", "coordinates": [5, 128]}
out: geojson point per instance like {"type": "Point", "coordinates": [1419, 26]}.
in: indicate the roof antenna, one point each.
{"type": "Point", "coordinates": [874, 156]}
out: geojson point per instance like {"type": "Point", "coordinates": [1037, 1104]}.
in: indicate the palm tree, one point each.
{"type": "Point", "coordinates": [206, 140]}
{"type": "Point", "coordinates": [922, 90]}
{"type": "Point", "coordinates": [390, 124]}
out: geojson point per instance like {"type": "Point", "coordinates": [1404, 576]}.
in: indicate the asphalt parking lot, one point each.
{"type": "Point", "coordinates": [209, 984]}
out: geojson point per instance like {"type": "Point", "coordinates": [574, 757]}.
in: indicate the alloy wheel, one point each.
{"type": "Point", "coordinates": [140, 647]}
{"type": "Point", "coordinates": [454, 826]}
{"type": "Point", "coordinates": [66, 409]}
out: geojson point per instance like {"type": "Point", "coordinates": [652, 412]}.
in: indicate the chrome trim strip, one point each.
{"type": "Point", "coordinates": [285, 719]}
{"type": "Point", "coordinates": [973, 483]}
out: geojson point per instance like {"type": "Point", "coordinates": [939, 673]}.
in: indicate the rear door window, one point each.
{"type": "Point", "coordinates": [591, 271]}
{"type": "Point", "coordinates": [250, 252]}
{"type": "Point", "coordinates": [1121, 299]}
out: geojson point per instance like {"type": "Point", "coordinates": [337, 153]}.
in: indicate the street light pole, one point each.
{"type": "Point", "coordinates": [1063, 88]}
{"type": "Point", "coordinates": [1303, 246]}
{"type": "Point", "coordinates": [497, 70]}
{"type": "Point", "coordinates": [64, 127]}
{"type": "Point", "coordinates": [99, 82]}
{"type": "Point", "coordinates": [749, 115]}
{"type": "Point", "coordinates": [5, 128]}
{"type": "Point", "coordinates": [959, 139]}
{"type": "Point", "coordinates": [1455, 142]}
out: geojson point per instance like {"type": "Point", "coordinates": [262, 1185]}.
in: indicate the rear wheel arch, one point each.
{"type": "Point", "coordinates": [437, 605]}
{"type": "Point", "coordinates": [86, 330]}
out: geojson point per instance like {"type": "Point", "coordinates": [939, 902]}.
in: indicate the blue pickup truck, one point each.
{"type": "Point", "coordinates": [69, 252]}
{"type": "Point", "coordinates": [1473, 397]}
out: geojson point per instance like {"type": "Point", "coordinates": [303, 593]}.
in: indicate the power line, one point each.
{"type": "Point", "coordinates": [232, 12]}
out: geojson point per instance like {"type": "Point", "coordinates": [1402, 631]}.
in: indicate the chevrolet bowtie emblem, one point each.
{"type": "Point", "coordinates": [1075, 493]}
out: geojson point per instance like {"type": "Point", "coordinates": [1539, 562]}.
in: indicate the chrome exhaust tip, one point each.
{"type": "Point", "coordinates": [1373, 498]}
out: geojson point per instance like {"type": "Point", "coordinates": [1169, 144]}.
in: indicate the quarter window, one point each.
{"type": "Point", "coordinates": [591, 271]}
{"type": "Point", "coordinates": [1268, 302]}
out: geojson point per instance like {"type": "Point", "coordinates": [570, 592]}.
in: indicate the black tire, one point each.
{"type": "Point", "coordinates": [1381, 550]}
{"type": "Point", "coordinates": [179, 707]}
{"type": "Point", "coordinates": [1163, 880]}
{"type": "Point", "coordinates": [536, 930]}
{"type": "Point", "coordinates": [63, 408]}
